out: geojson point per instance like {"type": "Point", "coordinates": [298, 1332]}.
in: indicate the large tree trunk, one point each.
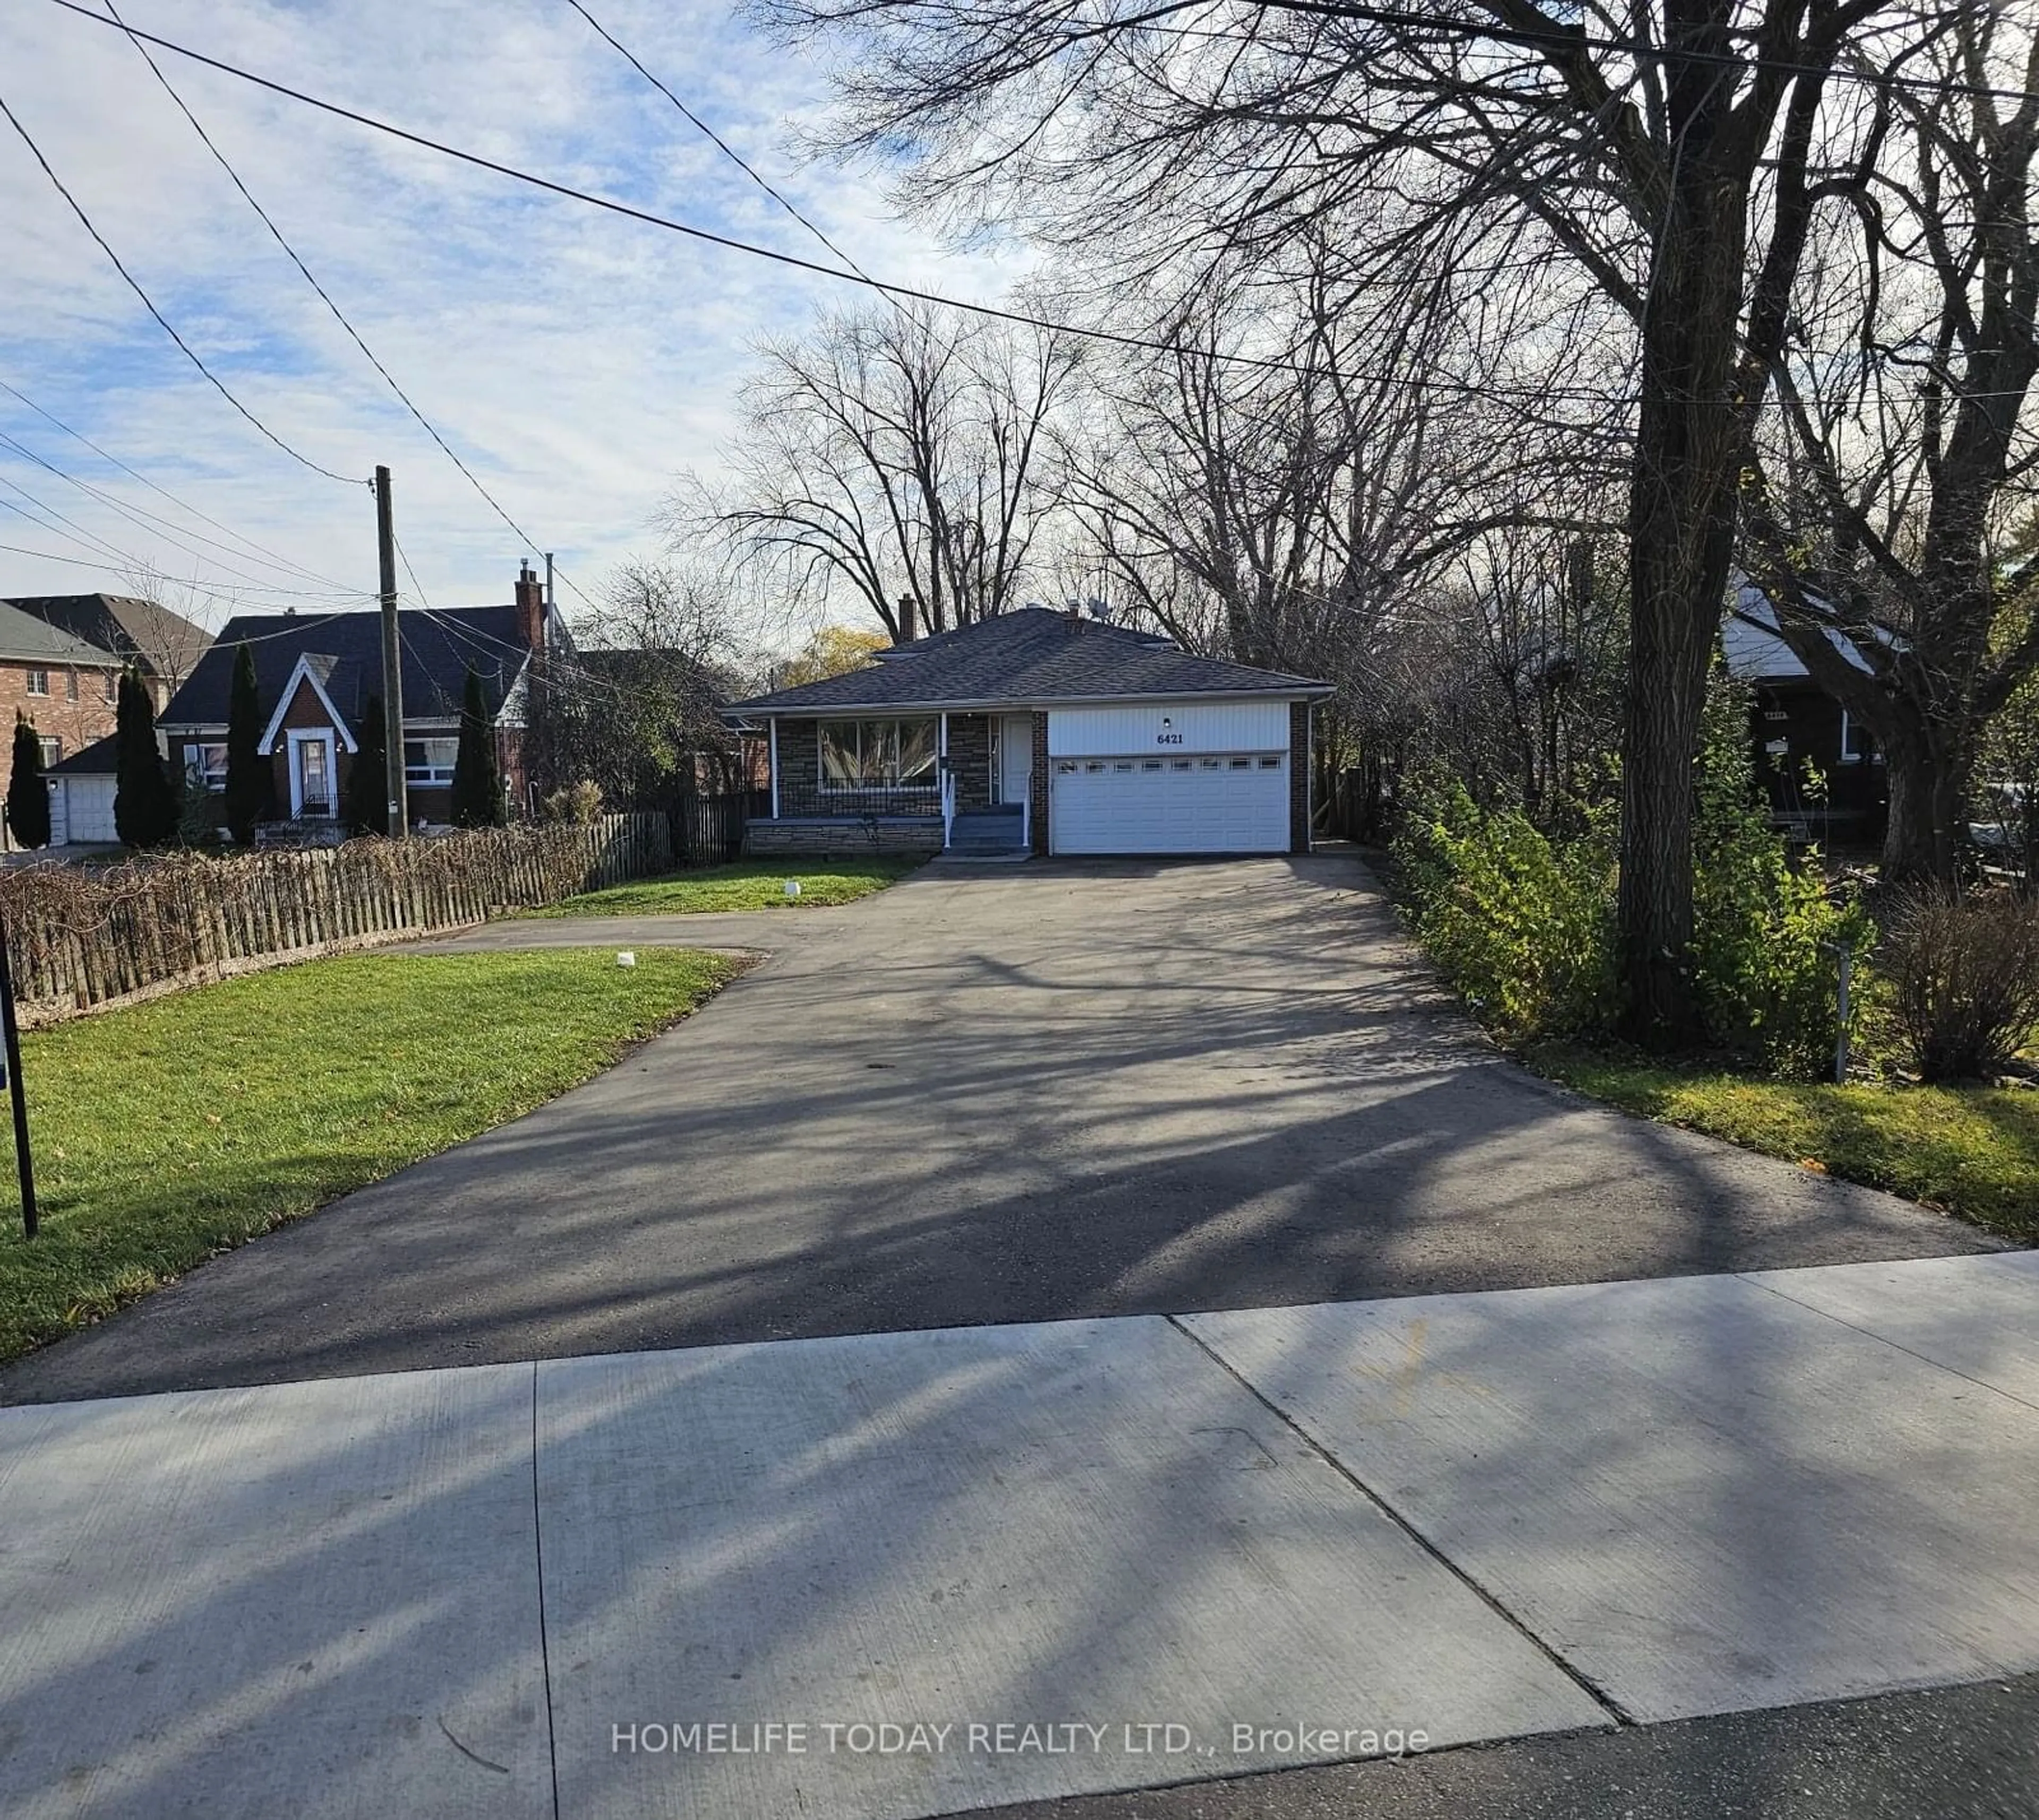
{"type": "Point", "coordinates": [1681, 523]}
{"type": "Point", "coordinates": [1928, 792]}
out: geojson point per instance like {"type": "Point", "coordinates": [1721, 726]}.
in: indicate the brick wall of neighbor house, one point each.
{"type": "Point", "coordinates": [969, 757]}
{"type": "Point", "coordinates": [74, 725]}
{"type": "Point", "coordinates": [1299, 777]}
{"type": "Point", "coordinates": [1037, 785]}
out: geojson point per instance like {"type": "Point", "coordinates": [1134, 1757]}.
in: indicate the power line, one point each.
{"type": "Point", "coordinates": [162, 527]}
{"type": "Point", "coordinates": [149, 304]}
{"type": "Point", "coordinates": [325, 296]}
{"type": "Point", "coordinates": [1531, 37]}
{"type": "Point", "coordinates": [716, 139]}
{"type": "Point", "coordinates": [261, 550]}
{"type": "Point", "coordinates": [610, 205]}
{"type": "Point", "coordinates": [1488, 390]}
{"type": "Point", "coordinates": [87, 538]}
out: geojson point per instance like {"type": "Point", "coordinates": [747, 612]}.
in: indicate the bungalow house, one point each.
{"type": "Point", "coordinates": [314, 673]}
{"type": "Point", "coordinates": [1796, 726]}
{"type": "Point", "coordinates": [1038, 731]}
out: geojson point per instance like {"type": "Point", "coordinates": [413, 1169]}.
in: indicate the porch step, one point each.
{"type": "Point", "coordinates": [997, 830]}
{"type": "Point", "coordinates": [988, 833]}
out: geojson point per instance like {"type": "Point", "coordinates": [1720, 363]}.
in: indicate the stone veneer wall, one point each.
{"type": "Point", "coordinates": [969, 756]}
{"type": "Point", "coordinates": [1037, 783]}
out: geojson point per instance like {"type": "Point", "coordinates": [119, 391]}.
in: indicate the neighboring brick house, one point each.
{"type": "Point", "coordinates": [66, 686]}
{"type": "Point", "coordinates": [314, 675]}
{"type": "Point", "coordinates": [1043, 732]}
{"type": "Point", "coordinates": [163, 646]}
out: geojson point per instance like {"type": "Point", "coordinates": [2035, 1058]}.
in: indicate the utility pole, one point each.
{"type": "Point", "coordinates": [12, 1036]}
{"type": "Point", "coordinates": [392, 658]}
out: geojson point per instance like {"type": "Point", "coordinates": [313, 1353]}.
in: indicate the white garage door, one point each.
{"type": "Point", "coordinates": [89, 803]}
{"type": "Point", "coordinates": [1214, 802]}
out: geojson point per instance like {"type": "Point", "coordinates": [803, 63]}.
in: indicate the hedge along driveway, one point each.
{"type": "Point", "coordinates": [166, 1132]}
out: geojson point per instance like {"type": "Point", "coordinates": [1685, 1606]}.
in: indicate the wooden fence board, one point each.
{"type": "Point", "coordinates": [79, 936]}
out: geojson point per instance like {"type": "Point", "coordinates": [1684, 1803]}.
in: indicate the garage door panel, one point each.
{"type": "Point", "coordinates": [89, 799]}
{"type": "Point", "coordinates": [1234, 803]}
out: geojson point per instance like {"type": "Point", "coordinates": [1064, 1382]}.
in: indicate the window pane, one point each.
{"type": "Point", "coordinates": [52, 751]}
{"type": "Point", "coordinates": [916, 751]}
{"type": "Point", "coordinates": [839, 770]}
{"type": "Point", "coordinates": [879, 742]}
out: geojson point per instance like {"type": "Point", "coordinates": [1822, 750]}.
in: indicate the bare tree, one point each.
{"type": "Point", "coordinates": [168, 634]}
{"type": "Point", "coordinates": [1883, 509]}
{"type": "Point", "coordinates": [1652, 167]}
{"type": "Point", "coordinates": [898, 453]}
{"type": "Point", "coordinates": [635, 707]}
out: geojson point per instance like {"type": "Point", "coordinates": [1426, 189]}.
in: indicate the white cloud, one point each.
{"type": "Point", "coordinates": [575, 359]}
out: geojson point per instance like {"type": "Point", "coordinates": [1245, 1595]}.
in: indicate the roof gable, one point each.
{"type": "Point", "coordinates": [314, 671]}
{"type": "Point", "coordinates": [1033, 656]}
{"type": "Point", "coordinates": [438, 649]}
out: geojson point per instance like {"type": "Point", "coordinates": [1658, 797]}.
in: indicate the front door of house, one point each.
{"type": "Point", "coordinates": [311, 774]}
{"type": "Point", "coordinates": [1015, 757]}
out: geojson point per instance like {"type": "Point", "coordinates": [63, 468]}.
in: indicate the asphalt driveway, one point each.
{"type": "Point", "coordinates": [999, 1095]}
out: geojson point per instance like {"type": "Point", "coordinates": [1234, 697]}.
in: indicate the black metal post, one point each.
{"type": "Point", "coordinates": [11, 1030]}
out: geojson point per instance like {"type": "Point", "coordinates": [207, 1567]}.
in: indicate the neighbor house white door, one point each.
{"type": "Point", "coordinates": [312, 774]}
{"type": "Point", "coordinates": [1015, 757]}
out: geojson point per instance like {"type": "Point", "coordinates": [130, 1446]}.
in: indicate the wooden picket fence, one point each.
{"type": "Point", "coordinates": [82, 936]}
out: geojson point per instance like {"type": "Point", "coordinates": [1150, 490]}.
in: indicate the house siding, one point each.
{"type": "Point", "coordinates": [1808, 721]}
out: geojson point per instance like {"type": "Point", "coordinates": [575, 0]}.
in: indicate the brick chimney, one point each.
{"type": "Point", "coordinates": [531, 607]}
{"type": "Point", "coordinates": [908, 614]}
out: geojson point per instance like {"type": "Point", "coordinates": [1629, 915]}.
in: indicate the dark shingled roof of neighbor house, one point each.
{"type": "Point", "coordinates": [439, 648]}
{"type": "Point", "coordinates": [1032, 657]}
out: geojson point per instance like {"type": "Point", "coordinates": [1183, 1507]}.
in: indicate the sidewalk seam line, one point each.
{"type": "Point", "coordinates": [1750, 1278]}
{"type": "Point", "coordinates": [1578, 1677]}
{"type": "Point", "coordinates": [539, 1560]}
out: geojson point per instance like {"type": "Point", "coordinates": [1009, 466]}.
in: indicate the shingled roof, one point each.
{"type": "Point", "coordinates": [439, 648]}
{"type": "Point", "coordinates": [121, 626]}
{"type": "Point", "coordinates": [26, 638]}
{"type": "Point", "coordinates": [1033, 656]}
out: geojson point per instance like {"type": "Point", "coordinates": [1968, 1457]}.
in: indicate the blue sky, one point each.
{"type": "Point", "coordinates": [577, 361]}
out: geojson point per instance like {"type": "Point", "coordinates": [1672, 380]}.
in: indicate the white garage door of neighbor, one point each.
{"type": "Point", "coordinates": [89, 802]}
{"type": "Point", "coordinates": [1214, 803]}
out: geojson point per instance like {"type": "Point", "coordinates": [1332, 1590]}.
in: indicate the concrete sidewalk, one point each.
{"type": "Point", "coordinates": [1174, 1548]}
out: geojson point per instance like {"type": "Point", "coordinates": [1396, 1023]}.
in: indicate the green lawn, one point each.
{"type": "Point", "coordinates": [1968, 1150]}
{"type": "Point", "coordinates": [743, 885]}
{"type": "Point", "coordinates": [169, 1131]}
